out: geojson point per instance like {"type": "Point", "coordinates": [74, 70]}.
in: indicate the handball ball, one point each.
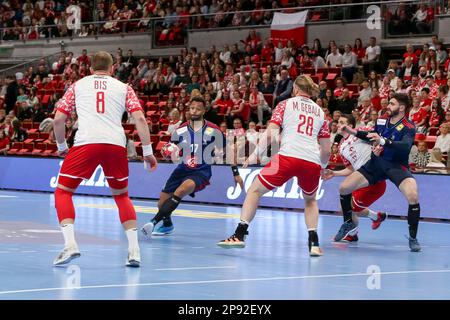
{"type": "Point", "coordinates": [169, 150]}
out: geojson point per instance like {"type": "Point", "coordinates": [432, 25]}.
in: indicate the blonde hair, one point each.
{"type": "Point", "coordinates": [307, 85]}
{"type": "Point", "coordinates": [195, 93]}
{"type": "Point", "coordinates": [102, 61]}
{"type": "Point", "coordinates": [436, 155]}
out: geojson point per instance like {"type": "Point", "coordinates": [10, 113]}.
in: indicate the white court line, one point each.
{"type": "Point", "coordinates": [1, 196]}
{"type": "Point", "coordinates": [150, 284]}
{"type": "Point", "coordinates": [196, 268]}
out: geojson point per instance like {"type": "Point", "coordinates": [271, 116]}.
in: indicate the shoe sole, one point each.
{"type": "Point", "coordinates": [133, 264]}
{"type": "Point", "coordinates": [68, 260]}
{"type": "Point", "coordinates": [348, 233]}
{"type": "Point", "coordinates": [231, 246]}
{"type": "Point", "coordinates": [155, 233]}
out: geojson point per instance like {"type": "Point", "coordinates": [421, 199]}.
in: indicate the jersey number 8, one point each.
{"type": "Point", "coordinates": [100, 102]}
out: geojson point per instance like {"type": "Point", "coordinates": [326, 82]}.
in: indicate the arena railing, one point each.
{"type": "Point", "coordinates": [22, 67]}
{"type": "Point", "coordinates": [155, 25]}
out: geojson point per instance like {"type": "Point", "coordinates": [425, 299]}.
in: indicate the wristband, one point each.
{"type": "Point", "coordinates": [382, 141]}
{"type": "Point", "coordinates": [235, 170]}
{"type": "Point", "coordinates": [147, 150]}
{"type": "Point", "coordinates": [62, 146]}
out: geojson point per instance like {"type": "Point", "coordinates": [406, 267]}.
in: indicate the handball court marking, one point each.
{"type": "Point", "coordinates": [149, 284]}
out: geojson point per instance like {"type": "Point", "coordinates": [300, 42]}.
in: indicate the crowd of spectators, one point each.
{"type": "Point", "coordinates": [242, 83]}
{"type": "Point", "coordinates": [31, 19]}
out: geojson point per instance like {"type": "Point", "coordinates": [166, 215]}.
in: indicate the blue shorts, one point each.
{"type": "Point", "coordinates": [179, 175]}
{"type": "Point", "coordinates": [378, 169]}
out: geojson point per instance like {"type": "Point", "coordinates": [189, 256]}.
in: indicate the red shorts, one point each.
{"type": "Point", "coordinates": [81, 162]}
{"type": "Point", "coordinates": [281, 168]}
{"type": "Point", "coordinates": [364, 197]}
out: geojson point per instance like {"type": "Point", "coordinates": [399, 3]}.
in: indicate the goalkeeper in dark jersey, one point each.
{"type": "Point", "coordinates": [392, 138]}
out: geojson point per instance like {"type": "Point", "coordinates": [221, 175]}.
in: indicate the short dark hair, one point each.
{"type": "Point", "coordinates": [198, 99]}
{"type": "Point", "coordinates": [403, 99]}
{"type": "Point", "coordinates": [350, 119]}
{"type": "Point", "coordinates": [427, 90]}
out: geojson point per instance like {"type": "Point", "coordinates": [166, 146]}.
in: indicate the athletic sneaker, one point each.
{"type": "Point", "coordinates": [351, 238]}
{"type": "Point", "coordinates": [381, 216]}
{"type": "Point", "coordinates": [165, 228]}
{"type": "Point", "coordinates": [237, 240]}
{"type": "Point", "coordinates": [67, 255]}
{"type": "Point", "coordinates": [147, 229]}
{"type": "Point", "coordinates": [414, 245]}
{"type": "Point", "coordinates": [315, 251]}
{"type": "Point", "coordinates": [134, 258]}
{"type": "Point", "coordinates": [347, 228]}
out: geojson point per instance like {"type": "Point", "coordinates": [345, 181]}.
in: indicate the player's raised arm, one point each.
{"type": "Point", "coordinates": [63, 110]}
{"type": "Point", "coordinates": [325, 144]}
{"type": "Point", "coordinates": [134, 107]}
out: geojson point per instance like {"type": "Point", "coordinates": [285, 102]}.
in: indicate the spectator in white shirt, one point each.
{"type": "Point", "coordinates": [392, 79]}
{"type": "Point", "coordinates": [225, 54]}
{"type": "Point", "coordinates": [349, 63]}
{"type": "Point", "coordinates": [443, 140]}
{"type": "Point", "coordinates": [334, 59]}
{"type": "Point", "coordinates": [365, 91]}
{"type": "Point", "coordinates": [435, 163]}
{"type": "Point", "coordinates": [372, 59]}
{"type": "Point", "coordinates": [279, 50]}
{"type": "Point", "coordinates": [420, 19]}
{"type": "Point", "coordinates": [317, 61]}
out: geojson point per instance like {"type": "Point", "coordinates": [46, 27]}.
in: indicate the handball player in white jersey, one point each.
{"type": "Point", "coordinates": [305, 150]}
{"type": "Point", "coordinates": [355, 153]}
{"type": "Point", "coordinates": [99, 101]}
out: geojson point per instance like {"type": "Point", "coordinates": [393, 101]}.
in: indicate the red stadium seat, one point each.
{"type": "Point", "coordinates": [16, 146]}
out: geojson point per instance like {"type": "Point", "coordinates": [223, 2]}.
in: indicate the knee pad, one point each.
{"type": "Point", "coordinates": [126, 209]}
{"type": "Point", "coordinates": [64, 204]}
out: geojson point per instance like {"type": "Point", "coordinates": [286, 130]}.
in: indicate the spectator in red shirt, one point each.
{"type": "Point", "coordinates": [4, 143]}
{"type": "Point", "coordinates": [439, 78]}
{"type": "Point", "coordinates": [339, 87]}
{"type": "Point", "coordinates": [359, 50]}
{"type": "Point", "coordinates": [410, 54]}
{"type": "Point", "coordinates": [437, 113]}
{"type": "Point", "coordinates": [335, 157]}
{"type": "Point", "coordinates": [418, 115]}
{"type": "Point", "coordinates": [84, 59]}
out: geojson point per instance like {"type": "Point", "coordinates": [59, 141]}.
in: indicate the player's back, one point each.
{"type": "Point", "coordinates": [100, 102]}
{"type": "Point", "coordinates": [303, 122]}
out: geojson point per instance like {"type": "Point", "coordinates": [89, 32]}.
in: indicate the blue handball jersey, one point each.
{"type": "Point", "coordinates": [198, 148]}
{"type": "Point", "coordinates": [402, 134]}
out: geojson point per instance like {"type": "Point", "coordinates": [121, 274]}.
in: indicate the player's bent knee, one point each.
{"type": "Point", "coordinates": [126, 209]}
{"type": "Point", "coordinates": [64, 204]}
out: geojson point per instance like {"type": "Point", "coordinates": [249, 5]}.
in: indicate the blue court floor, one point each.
{"type": "Point", "coordinates": [188, 264]}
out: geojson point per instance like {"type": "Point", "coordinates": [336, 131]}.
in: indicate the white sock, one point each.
{"type": "Point", "coordinates": [244, 222]}
{"type": "Point", "coordinates": [132, 238]}
{"type": "Point", "coordinates": [373, 215]}
{"type": "Point", "coordinates": [69, 235]}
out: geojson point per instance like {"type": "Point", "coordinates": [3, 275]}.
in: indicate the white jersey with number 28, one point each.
{"type": "Point", "coordinates": [99, 101]}
{"type": "Point", "coordinates": [303, 123]}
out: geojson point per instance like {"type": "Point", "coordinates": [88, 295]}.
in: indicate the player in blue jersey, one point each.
{"type": "Point", "coordinates": [392, 138]}
{"type": "Point", "coordinates": [200, 142]}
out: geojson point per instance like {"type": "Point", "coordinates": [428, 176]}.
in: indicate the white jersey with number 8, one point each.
{"type": "Point", "coordinates": [100, 102]}
{"type": "Point", "coordinates": [303, 123]}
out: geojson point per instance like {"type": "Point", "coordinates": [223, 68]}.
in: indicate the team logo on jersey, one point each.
{"type": "Point", "coordinates": [182, 130]}
{"type": "Point", "coordinates": [209, 131]}
{"type": "Point", "coordinates": [400, 127]}
{"type": "Point", "coordinates": [381, 122]}
{"type": "Point", "coordinates": [191, 162]}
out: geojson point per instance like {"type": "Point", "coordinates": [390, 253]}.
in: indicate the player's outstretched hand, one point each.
{"type": "Point", "coordinates": [327, 174]}
{"type": "Point", "coordinates": [374, 137]}
{"type": "Point", "coordinates": [377, 150]}
{"type": "Point", "coordinates": [152, 161]}
{"type": "Point", "coordinates": [250, 160]}
{"type": "Point", "coordinates": [238, 180]}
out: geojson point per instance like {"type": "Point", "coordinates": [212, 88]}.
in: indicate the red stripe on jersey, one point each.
{"type": "Point", "coordinates": [407, 123]}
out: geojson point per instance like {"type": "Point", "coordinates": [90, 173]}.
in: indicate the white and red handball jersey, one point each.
{"type": "Point", "coordinates": [99, 102]}
{"type": "Point", "coordinates": [354, 151]}
{"type": "Point", "coordinates": [303, 123]}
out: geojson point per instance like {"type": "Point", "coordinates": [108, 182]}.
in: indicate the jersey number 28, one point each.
{"type": "Point", "coordinates": [309, 122]}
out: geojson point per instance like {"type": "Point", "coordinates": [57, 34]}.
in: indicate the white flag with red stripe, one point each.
{"type": "Point", "coordinates": [289, 26]}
